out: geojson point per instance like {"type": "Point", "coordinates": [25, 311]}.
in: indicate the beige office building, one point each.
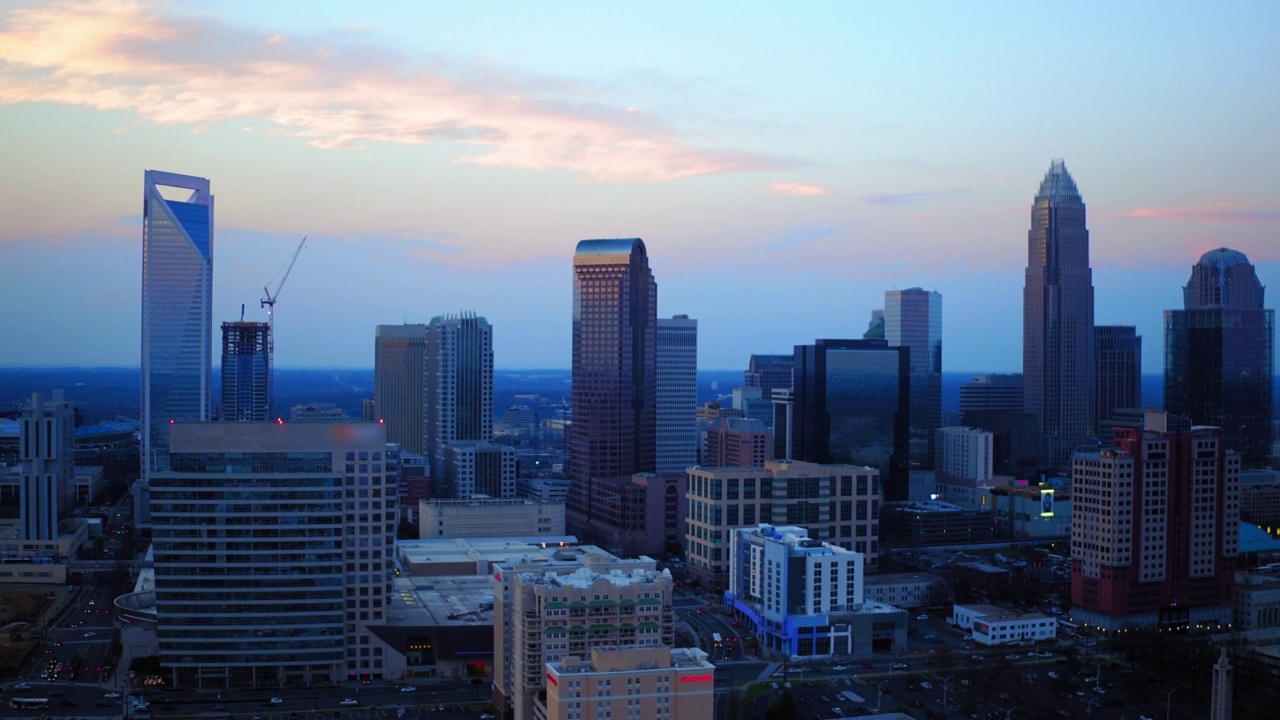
{"type": "Point", "coordinates": [566, 604]}
{"type": "Point", "coordinates": [639, 683]}
{"type": "Point", "coordinates": [838, 504]}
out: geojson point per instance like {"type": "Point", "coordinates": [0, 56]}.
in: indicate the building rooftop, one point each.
{"type": "Point", "coordinates": [1057, 183]}
{"type": "Point", "coordinates": [996, 612]}
{"type": "Point", "coordinates": [441, 601]}
{"type": "Point", "coordinates": [442, 556]}
{"type": "Point", "coordinates": [584, 577]}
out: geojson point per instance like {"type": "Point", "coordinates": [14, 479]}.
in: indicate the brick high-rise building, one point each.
{"type": "Point", "coordinates": [738, 442]}
{"type": "Point", "coordinates": [615, 323]}
{"type": "Point", "coordinates": [1155, 528]}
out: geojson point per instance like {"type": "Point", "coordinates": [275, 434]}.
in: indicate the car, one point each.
{"type": "Point", "coordinates": [786, 685]}
{"type": "Point", "coordinates": [837, 711]}
{"type": "Point", "coordinates": [773, 685]}
{"type": "Point", "coordinates": [1053, 675]}
{"type": "Point", "coordinates": [111, 695]}
{"type": "Point", "coordinates": [91, 634]}
{"type": "Point", "coordinates": [349, 701]}
{"type": "Point", "coordinates": [825, 699]}
{"type": "Point", "coordinates": [840, 668]}
{"type": "Point", "coordinates": [922, 617]}
{"type": "Point", "coordinates": [965, 682]}
{"type": "Point", "coordinates": [1099, 690]}
{"type": "Point", "coordinates": [486, 716]}
{"type": "Point", "coordinates": [929, 636]}
{"type": "Point", "coordinates": [926, 685]}
{"type": "Point", "coordinates": [898, 666]}
{"type": "Point", "coordinates": [275, 701]}
{"type": "Point", "coordinates": [216, 708]}
{"type": "Point", "coordinates": [408, 688]}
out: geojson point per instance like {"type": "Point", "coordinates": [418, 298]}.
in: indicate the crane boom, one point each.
{"type": "Point", "coordinates": [269, 301]}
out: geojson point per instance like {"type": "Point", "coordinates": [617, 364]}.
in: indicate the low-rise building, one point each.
{"type": "Point", "coordinates": [933, 522]}
{"type": "Point", "coordinates": [1257, 601]}
{"type": "Point", "coordinates": [804, 598]}
{"type": "Point", "coordinates": [488, 517]}
{"type": "Point", "coordinates": [992, 625]}
{"type": "Point", "coordinates": [657, 683]}
{"type": "Point", "coordinates": [905, 590]}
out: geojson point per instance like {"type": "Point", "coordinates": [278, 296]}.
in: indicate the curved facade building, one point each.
{"type": "Point", "coordinates": [1057, 319]}
{"type": "Point", "coordinates": [177, 315]}
{"type": "Point", "coordinates": [1220, 354]}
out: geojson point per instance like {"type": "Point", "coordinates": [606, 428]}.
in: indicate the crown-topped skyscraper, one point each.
{"type": "Point", "coordinates": [1057, 319]}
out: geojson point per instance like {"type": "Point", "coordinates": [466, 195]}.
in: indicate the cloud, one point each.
{"type": "Point", "coordinates": [1225, 213]}
{"type": "Point", "coordinates": [802, 235]}
{"type": "Point", "coordinates": [340, 92]}
{"type": "Point", "coordinates": [908, 198]}
{"type": "Point", "coordinates": [798, 189]}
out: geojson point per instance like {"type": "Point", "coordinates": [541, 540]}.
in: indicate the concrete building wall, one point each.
{"type": "Point", "coordinates": [488, 518]}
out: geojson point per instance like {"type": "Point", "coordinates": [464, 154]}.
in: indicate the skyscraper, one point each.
{"type": "Point", "coordinates": [1219, 355]}
{"type": "Point", "coordinates": [399, 398]}
{"type": "Point", "coordinates": [459, 383]}
{"type": "Point", "coordinates": [768, 372]}
{"type": "Point", "coordinates": [1057, 319]}
{"type": "Point", "coordinates": [852, 403]}
{"type": "Point", "coordinates": [1154, 528]}
{"type": "Point", "coordinates": [996, 392]}
{"type": "Point", "coordinates": [177, 300]}
{"type": "Point", "coordinates": [46, 450]}
{"type": "Point", "coordinates": [615, 324]}
{"type": "Point", "coordinates": [246, 372]}
{"type": "Point", "coordinates": [677, 395]}
{"type": "Point", "coordinates": [1118, 365]}
{"type": "Point", "coordinates": [913, 319]}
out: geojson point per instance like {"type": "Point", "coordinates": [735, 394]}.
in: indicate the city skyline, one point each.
{"type": "Point", "coordinates": [787, 158]}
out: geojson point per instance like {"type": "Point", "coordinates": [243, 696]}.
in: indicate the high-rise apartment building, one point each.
{"type": "Point", "coordinates": [550, 607]}
{"type": "Point", "coordinates": [615, 325]}
{"type": "Point", "coordinates": [399, 393]}
{"type": "Point", "coordinates": [836, 503]}
{"type": "Point", "coordinates": [246, 372]}
{"type": "Point", "coordinates": [1057, 320]}
{"type": "Point", "coordinates": [177, 308]}
{"type": "Point", "coordinates": [1155, 528]}
{"type": "Point", "coordinates": [1118, 368]}
{"type": "Point", "coordinates": [458, 384]}
{"type": "Point", "coordinates": [677, 395]}
{"type": "Point", "coordinates": [471, 467]}
{"type": "Point", "coordinates": [1219, 354]}
{"type": "Point", "coordinates": [273, 545]}
{"type": "Point", "coordinates": [913, 319]}
{"type": "Point", "coordinates": [46, 452]}
{"type": "Point", "coordinates": [852, 405]}
{"type": "Point", "coordinates": [965, 452]}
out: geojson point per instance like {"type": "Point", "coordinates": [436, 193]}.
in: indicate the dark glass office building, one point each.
{"type": "Point", "coordinates": [913, 319]}
{"type": "Point", "coordinates": [1220, 354]}
{"type": "Point", "coordinates": [852, 406]}
{"type": "Point", "coordinates": [1118, 368]}
{"type": "Point", "coordinates": [615, 367]}
{"type": "Point", "coordinates": [1057, 320]}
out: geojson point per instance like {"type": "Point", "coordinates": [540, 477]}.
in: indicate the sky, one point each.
{"type": "Point", "coordinates": [785, 164]}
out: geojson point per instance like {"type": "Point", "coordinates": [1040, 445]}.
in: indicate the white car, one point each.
{"type": "Point", "coordinates": [1053, 675]}
{"type": "Point", "coordinates": [840, 668]}
{"type": "Point", "coordinates": [348, 701]}
{"type": "Point", "coordinates": [922, 617]}
{"type": "Point", "coordinates": [110, 695]}
{"type": "Point", "coordinates": [898, 666]}
{"type": "Point", "coordinates": [275, 701]}
{"type": "Point", "coordinates": [408, 688]}
{"type": "Point", "coordinates": [91, 634]}
{"type": "Point", "coordinates": [926, 685]}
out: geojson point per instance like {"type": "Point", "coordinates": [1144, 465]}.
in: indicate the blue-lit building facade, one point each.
{"type": "Point", "coordinates": [246, 372]}
{"type": "Point", "coordinates": [273, 545]}
{"type": "Point", "coordinates": [852, 406]}
{"type": "Point", "coordinates": [1219, 354]}
{"type": "Point", "coordinates": [913, 319]}
{"type": "Point", "coordinates": [804, 598]}
{"type": "Point", "coordinates": [177, 300]}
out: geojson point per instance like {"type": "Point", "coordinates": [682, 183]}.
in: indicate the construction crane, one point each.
{"type": "Point", "coordinates": [269, 302]}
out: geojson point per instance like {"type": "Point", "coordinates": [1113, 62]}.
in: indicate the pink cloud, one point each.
{"type": "Point", "coordinates": [798, 189]}
{"type": "Point", "coordinates": [172, 70]}
{"type": "Point", "coordinates": [1231, 213]}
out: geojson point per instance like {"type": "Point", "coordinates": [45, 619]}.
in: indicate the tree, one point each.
{"type": "Point", "coordinates": [784, 707]}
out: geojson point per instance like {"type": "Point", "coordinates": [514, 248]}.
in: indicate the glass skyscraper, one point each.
{"type": "Point", "coordinates": [399, 371]}
{"type": "Point", "coordinates": [246, 372]}
{"type": "Point", "coordinates": [615, 328]}
{"type": "Point", "coordinates": [1057, 320]}
{"type": "Point", "coordinates": [1219, 354]}
{"type": "Point", "coordinates": [852, 406]}
{"type": "Point", "coordinates": [458, 384]}
{"type": "Point", "coordinates": [177, 317]}
{"type": "Point", "coordinates": [913, 319]}
{"type": "Point", "coordinates": [676, 444]}
{"type": "Point", "coordinates": [1118, 364]}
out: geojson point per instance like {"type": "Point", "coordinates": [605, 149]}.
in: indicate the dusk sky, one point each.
{"type": "Point", "coordinates": [785, 164]}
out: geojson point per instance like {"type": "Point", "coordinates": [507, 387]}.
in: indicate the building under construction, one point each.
{"type": "Point", "coordinates": [246, 372]}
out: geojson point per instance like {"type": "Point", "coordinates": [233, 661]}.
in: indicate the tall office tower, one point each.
{"type": "Point", "coordinates": [540, 616]}
{"type": "Point", "coordinates": [1057, 319]}
{"type": "Point", "coordinates": [768, 372]}
{"type": "Point", "coordinates": [913, 319]}
{"type": "Point", "coordinates": [1155, 528]}
{"type": "Point", "coordinates": [246, 372]}
{"type": "Point", "coordinates": [265, 574]}
{"type": "Point", "coordinates": [1219, 354]}
{"type": "Point", "coordinates": [459, 383]}
{"type": "Point", "coordinates": [46, 451]}
{"type": "Point", "coordinates": [991, 393]}
{"type": "Point", "coordinates": [399, 395]}
{"type": "Point", "coordinates": [1118, 365]}
{"type": "Point", "coordinates": [738, 442]}
{"type": "Point", "coordinates": [677, 393]}
{"type": "Point", "coordinates": [615, 327]}
{"type": "Point", "coordinates": [851, 405]}
{"type": "Point", "coordinates": [177, 309]}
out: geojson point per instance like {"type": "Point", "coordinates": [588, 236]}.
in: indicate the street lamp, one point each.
{"type": "Point", "coordinates": [947, 679]}
{"type": "Point", "coordinates": [1097, 676]}
{"type": "Point", "coordinates": [880, 689]}
{"type": "Point", "coordinates": [1168, 698]}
